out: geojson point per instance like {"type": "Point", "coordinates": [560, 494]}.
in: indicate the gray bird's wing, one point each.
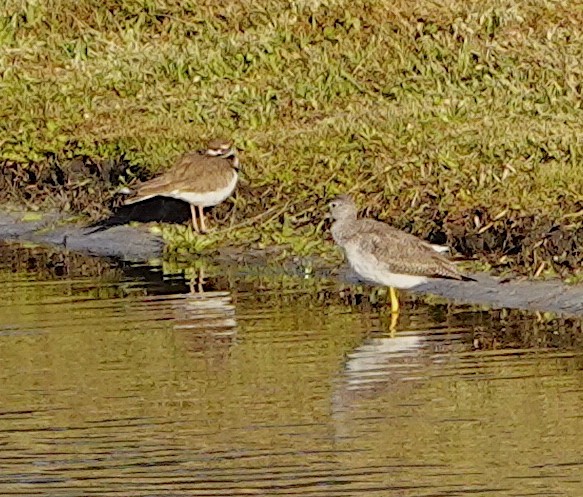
{"type": "Point", "coordinates": [402, 252]}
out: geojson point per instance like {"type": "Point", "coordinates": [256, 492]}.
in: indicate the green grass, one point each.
{"type": "Point", "coordinates": [455, 119]}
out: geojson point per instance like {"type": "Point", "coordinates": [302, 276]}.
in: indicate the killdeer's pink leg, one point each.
{"type": "Point", "coordinates": [193, 214]}
{"type": "Point", "coordinates": [201, 215]}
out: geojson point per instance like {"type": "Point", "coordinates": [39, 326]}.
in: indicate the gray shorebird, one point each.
{"type": "Point", "coordinates": [202, 179]}
{"type": "Point", "coordinates": [385, 255]}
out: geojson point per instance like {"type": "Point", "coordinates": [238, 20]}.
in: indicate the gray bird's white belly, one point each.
{"type": "Point", "coordinates": [369, 268]}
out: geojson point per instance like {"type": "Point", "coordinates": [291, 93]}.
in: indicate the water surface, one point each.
{"type": "Point", "coordinates": [122, 379]}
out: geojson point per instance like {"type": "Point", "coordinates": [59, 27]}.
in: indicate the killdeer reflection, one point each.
{"type": "Point", "coordinates": [202, 179]}
{"type": "Point", "coordinates": [385, 255]}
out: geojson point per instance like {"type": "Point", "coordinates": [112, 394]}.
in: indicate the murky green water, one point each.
{"type": "Point", "coordinates": [116, 380]}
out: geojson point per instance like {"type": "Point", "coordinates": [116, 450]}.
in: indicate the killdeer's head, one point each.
{"type": "Point", "coordinates": [220, 148]}
{"type": "Point", "coordinates": [342, 207]}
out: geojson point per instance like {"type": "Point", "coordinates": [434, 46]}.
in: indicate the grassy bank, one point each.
{"type": "Point", "coordinates": [459, 121]}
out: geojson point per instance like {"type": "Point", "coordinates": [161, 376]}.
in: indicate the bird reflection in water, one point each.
{"type": "Point", "coordinates": [387, 364]}
{"type": "Point", "coordinates": [206, 318]}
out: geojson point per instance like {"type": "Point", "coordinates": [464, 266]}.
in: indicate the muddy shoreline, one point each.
{"type": "Point", "coordinates": [138, 244]}
{"type": "Point", "coordinates": [122, 242]}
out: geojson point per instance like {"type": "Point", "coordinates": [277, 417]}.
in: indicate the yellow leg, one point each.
{"type": "Point", "coordinates": [193, 214]}
{"type": "Point", "coordinates": [394, 300]}
{"type": "Point", "coordinates": [393, 325]}
{"type": "Point", "coordinates": [201, 215]}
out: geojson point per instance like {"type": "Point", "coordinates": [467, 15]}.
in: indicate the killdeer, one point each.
{"type": "Point", "coordinates": [202, 179]}
{"type": "Point", "coordinates": [385, 255]}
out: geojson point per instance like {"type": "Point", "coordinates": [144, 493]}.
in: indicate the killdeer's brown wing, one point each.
{"type": "Point", "coordinates": [193, 172]}
{"type": "Point", "coordinates": [402, 252]}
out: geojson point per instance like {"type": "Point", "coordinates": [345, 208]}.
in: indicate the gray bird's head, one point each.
{"type": "Point", "coordinates": [220, 148]}
{"type": "Point", "coordinates": [342, 207]}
